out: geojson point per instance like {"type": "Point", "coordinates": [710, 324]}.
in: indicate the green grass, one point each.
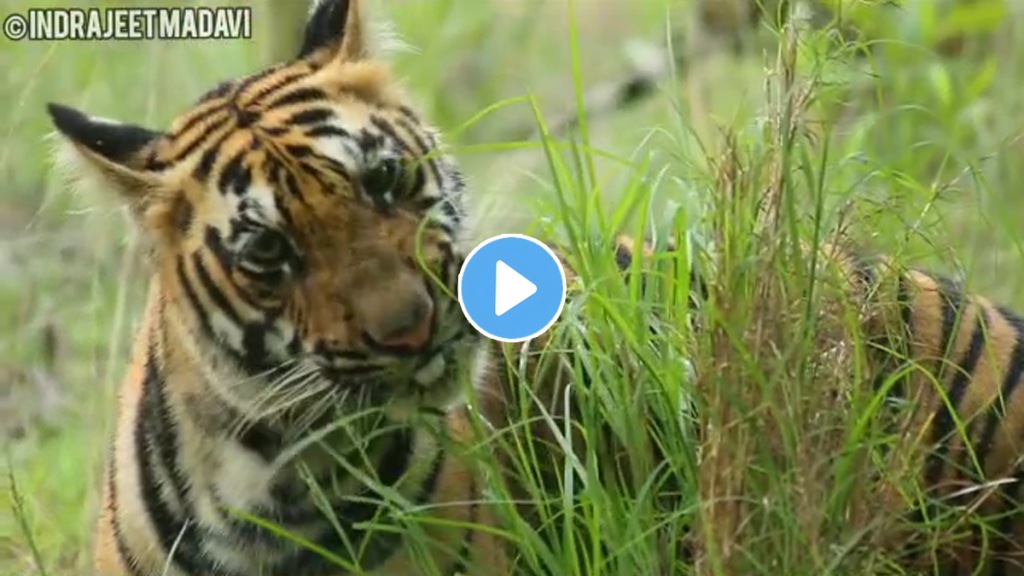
{"type": "Point", "coordinates": [915, 145]}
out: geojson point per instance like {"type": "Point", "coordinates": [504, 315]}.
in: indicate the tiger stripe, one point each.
{"type": "Point", "coordinates": [966, 359]}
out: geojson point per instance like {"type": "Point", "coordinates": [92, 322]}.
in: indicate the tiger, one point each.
{"type": "Point", "coordinates": [943, 357]}
{"type": "Point", "coordinates": [957, 358]}
{"type": "Point", "coordinates": [304, 225]}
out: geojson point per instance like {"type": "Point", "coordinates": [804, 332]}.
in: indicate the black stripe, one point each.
{"type": "Point", "coordinates": [299, 96]}
{"type": "Point", "coordinates": [220, 301]}
{"type": "Point", "coordinates": [235, 176]}
{"type": "Point", "coordinates": [623, 257]}
{"type": "Point", "coordinates": [284, 211]}
{"type": "Point", "coordinates": [435, 224]}
{"type": "Point", "coordinates": [424, 203]}
{"type": "Point", "coordinates": [624, 261]}
{"type": "Point", "coordinates": [324, 24]}
{"type": "Point", "coordinates": [458, 179]}
{"type": "Point", "coordinates": [260, 438]}
{"type": "Point", "coordinates": [409, 114]}
{"type": "Point", "coordinates": [261, 295]}
{"type": "Point", "coordinates": [1008, 494]}
{"type": "Point", "coordinates": [283, 179]}
{"type": "Point", "coordinates": [171, 529]}
{"type": "Point", "coordinates": [215, 244]}
{"type": "Point", "coordinates": [298, 150]}
{"type": "Point", "coordinates": [291, 183]}
{"type": "Point", "coordinates": [389, 131]}
{"type": "Point", "coordinates": [414, 135]}
{"type": "Point", "coordinates": [419, 183]}
{"type": "Point", "coordinates": [274, 85]}
{"type": "Point", "coordinates": [254, 355]}
{"type": "Point", "coordinates": [433, 161]}
{"type": "Point", "coordinates": [310, 116]}
{"type": "Point", "coordinates": [465, 553]}
{"type": "Point", "coordinates": [321, 349]}
{"type": "Point", "coordinates": [1014, 372]}
{"type": "Point", "coordinates": [368, 140]}
{"type": "Point", "coordinates": [274, 131]}
{"type": "Point", "coordinates": [951, 300]}
{"type": "Point", "coordinates": [305, 155]}
{"type": "Point", "coordinates": [203, 136]}
{"type": "Point", "coordinates": [449, 207]}
{"type": "Point", "coordinates": [193, 299]}
{"type": "Point", "coordinates": [199, 114]}
{"type": "Point", "coordinates": [424, 140]}
{"type": "Point", "coordinates": [454, 193]}
{"type": "Point", "coordinates": [209, 158]}
{"type": "Point", "coordinates": [322, 130]}
{"type": "Point", "coordinates": [252, 358]}
{"type": "Point", "coordinates": [161, 431]}
{"type": "Point", "coordinates": [943, 424]}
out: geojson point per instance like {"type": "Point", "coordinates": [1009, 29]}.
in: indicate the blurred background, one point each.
{"type": "Point", "coordinates": [923, 96]}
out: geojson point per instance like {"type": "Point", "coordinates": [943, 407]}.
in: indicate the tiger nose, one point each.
{"type": "Point", "coordinates": [406, 324]}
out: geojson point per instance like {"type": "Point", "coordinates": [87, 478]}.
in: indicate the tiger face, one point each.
{"type": "Point", "coordinates": [303, 223]}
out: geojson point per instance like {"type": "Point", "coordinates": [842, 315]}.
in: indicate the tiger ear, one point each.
{"type": "Point", "coordinates": [117, 152]}
{"type": "Point", "coordinates": [334, 31]}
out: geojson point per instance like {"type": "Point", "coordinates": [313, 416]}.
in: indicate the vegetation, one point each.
{"type": "Point", "coordinates": [904, 136]}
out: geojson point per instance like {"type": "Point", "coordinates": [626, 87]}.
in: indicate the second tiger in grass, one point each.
{"type": "Point", "coordinates": [949, 365]}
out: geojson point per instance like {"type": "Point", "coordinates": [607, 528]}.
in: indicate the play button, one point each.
{"type": "Point", "coordinates": [512, 288]}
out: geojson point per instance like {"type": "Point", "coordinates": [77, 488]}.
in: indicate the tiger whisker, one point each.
{"type": "Point", "coordinates": [283, 394]}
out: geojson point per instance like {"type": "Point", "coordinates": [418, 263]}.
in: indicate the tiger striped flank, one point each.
{"type": "Point", "coordinates": [955, 360]}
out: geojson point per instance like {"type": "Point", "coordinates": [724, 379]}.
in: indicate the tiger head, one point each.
{"type": "Point", "coordinates": [303, 223]}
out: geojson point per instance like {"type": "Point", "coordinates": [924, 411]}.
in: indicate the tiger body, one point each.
{"type": "Point", "coordinates": [178, 468]}
{"type": "Point", "coordinates": [955, 360]}
{"type": "Point", "coordinates": [303, 224]}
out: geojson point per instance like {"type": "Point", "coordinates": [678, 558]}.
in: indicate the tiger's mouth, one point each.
{"type": "Point", "coordinates": [428, 380]}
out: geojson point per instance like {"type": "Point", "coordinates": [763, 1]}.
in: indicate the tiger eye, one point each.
{"type": "Point", "coordinates": [382, 180]}
{"type": "Point", "coordinates": [266, 249]}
